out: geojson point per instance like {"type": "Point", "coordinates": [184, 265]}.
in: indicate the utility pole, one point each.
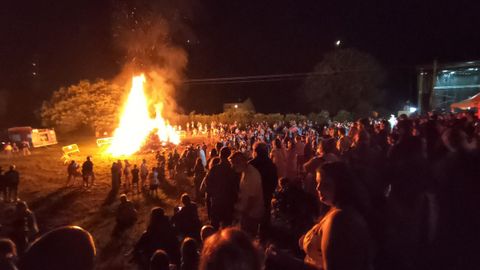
{"type": "Point", "coordinates": [434, 79]}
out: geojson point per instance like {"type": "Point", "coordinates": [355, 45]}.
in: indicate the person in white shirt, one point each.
{"type": "Point", "coordinates": [202, 155]}
{"type": "Point", "coordinates": [250, 207]}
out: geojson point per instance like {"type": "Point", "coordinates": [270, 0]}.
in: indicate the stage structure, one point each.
{"type": "Point", "coordinates": [442, 84]}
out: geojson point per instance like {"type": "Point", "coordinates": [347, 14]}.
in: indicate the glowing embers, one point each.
{"type": "Point", "coordinates": [136, 124]}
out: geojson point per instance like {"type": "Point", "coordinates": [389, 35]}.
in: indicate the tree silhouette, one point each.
{"type": "Point", "coordinates": [348, 80]}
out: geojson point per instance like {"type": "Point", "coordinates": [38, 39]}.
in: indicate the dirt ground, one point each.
{"type": "Point", "coordinates": [42, 186]}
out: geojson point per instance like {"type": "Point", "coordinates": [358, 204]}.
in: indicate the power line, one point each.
{"type": "Point", "coordinates": [241, 80]}
{"type": "Point", "coordinates": [268, 77]}
{"type": "Point", "coordinates": [249, 77]}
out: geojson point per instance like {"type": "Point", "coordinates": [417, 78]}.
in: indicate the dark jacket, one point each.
{"type": "Point", "coordinates": [12, 177]}
{"type": "Point", "coordinates": [268, 171]}
{"type": "Point", "coordinates": [222, 185]}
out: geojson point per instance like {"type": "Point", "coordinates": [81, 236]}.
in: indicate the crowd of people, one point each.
{"type": "Point", "coordinates": [360, 195]}
{"type": "Point", "coordinates": [11, 149]}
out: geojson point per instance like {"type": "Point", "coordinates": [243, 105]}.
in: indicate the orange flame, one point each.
{"type": "Point", "coordinates": [136, 124]}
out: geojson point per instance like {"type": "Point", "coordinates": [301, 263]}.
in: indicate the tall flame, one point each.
{"type": "Point", "coordinates": [136, 124]}
{"type": "Point", "coordinates": [165, 132]}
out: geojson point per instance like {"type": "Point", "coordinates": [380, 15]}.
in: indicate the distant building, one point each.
{"type": "Point", "coordinates": [442, 84]}
{"type": "Point", "coordinates": [244, 106]}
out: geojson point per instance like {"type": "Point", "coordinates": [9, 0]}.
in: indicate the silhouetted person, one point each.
{"type": "Point", "coordinates": [116, 172]}
{"type": "Point", "coordinates": [87, 173]}
{"type": "Point", "coordinates": [12, 179]}
{"type": "Point", "coordinates": [68, 247]}
{"type": "Point", "coordinates": [8, 254]}
{"type": "Point", "coordinates": [72, 171]}
{"type": "Point", "coordinates": [206, 231]}
{"type": "Point", "coordinates": [186, 219]}
{"type": "Point", "coordinates": [159, 261]}
{"type": "Point", "coordinates": [268, 172]}
{"type": "Point", "coordinates": [229, 249]}
{"type": "Point", "coordinates": [127, 176]}
{"type": "Point", "coordinates": [143, 173]}
{"type": "Point", "coordinates": [198, 176]}
{"type": "Point", "coordinates": [190, 254]}
{"type": "Point", "coordinates": [126, 215]}
{"type": "Point", "coordinates": [159, 235]}
{"type": "Point", "coordinates": [221, 185]}
{"type": "Point", "coordinates": [135, 179]}
{"type": "Point", "coordinates": [24, 226]}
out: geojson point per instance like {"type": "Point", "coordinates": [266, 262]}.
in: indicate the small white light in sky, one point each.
{"type": "Point", "coordinates": [34, 73]}
{"type": "Point", "coordinates": [338, 43]}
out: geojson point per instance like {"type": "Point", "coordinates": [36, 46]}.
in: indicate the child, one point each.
{"type": "Point", "coordinates": [154, 182]}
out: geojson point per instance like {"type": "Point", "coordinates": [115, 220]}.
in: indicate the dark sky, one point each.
{"type": "Point", "coordinates": [72, 40]}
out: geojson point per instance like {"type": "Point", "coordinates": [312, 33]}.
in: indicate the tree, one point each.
{"type": "Point", "coordinates": [348, 80]}
{"type": "Point", "coordinates": [343, 116]}
{"type": "Point", "coordinates": [83, 105]}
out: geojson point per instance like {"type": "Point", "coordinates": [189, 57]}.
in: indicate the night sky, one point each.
{"type": "Point", "coordinates": [73, 40]}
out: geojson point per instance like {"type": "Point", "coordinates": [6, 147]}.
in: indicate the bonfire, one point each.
{"type": "Point", "coordinates": [136, 125]}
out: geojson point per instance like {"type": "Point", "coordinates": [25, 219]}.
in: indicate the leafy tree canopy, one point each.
{"type": "Point", "coordinates": [84, 105]}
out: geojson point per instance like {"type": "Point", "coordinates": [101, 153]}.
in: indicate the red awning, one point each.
{"type": "Point", "coordinates": [467, 103]}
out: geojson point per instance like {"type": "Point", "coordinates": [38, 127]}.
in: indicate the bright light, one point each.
{"type": "Point", "coordinates": [412, 109]}
{"type": "Point", "coordinates": [393, 121]}
{"type": "Point", "coordinates": [338, 42]}
{"type": "Point", "coordinates": [136, 124]}
{"type": "Point", "coordinates": [165, 132]}
{"type": "Point", "coordinates": [236, 106]}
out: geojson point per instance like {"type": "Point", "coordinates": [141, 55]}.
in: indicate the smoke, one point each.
{"type": "Point", "coordinates": [148, 35]}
